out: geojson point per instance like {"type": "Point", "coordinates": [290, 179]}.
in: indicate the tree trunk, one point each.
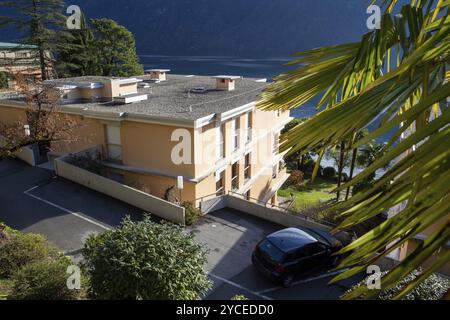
{"type": "Point", "coordinates": [42, 63]}
{"type": "Point", "coordinates": [352, 168]}
{"type": "Point", "coordinates": [340, 168]}
{"type": "Point", "coordinates": [37, 33]}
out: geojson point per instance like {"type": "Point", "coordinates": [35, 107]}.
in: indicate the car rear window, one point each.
{"type": "Point", "coordinates": [271, 252]}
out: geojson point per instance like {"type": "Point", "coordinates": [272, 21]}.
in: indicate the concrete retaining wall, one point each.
{"type": "Point", "coordinates": [213, 204]}
{"type": "Point", "coordinates": [26, 154]}
{"type": "Point", "coordinates": [139, 199]}
{"type": "Point", "coordinates": [283, 218]}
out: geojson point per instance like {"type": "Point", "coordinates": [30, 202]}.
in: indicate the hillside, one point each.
{"type": "Point", "coordinates": [238, 27]}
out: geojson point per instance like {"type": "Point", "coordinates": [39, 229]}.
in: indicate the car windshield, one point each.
{"type": "Point", "coordinates": [319, 236]}
{"type": "Point", "coordinates": [272, 252]}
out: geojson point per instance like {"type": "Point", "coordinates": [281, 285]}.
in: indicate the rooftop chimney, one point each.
{"type": "Point", "coordinates": [157, 74]}
{"type": "Point", "coordinates": [226, 83]}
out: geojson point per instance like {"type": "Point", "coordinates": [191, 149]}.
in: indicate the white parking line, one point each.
{"type": "Point", "coordinates": [231, 283]}
{"type": "Point", "coordinates": [325, 275]}
{"type": "Point", "coordinates": [27, 192]}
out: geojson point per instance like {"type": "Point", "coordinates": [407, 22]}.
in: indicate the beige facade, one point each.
{"type": "Point", "coordinates": [141, 152]}
{"type": "Point", "coordinates": [17, 58]}
{"type": "Point", "coordinates": [410, 246]}
{"type": "Point", "coordinates": [99, 89]}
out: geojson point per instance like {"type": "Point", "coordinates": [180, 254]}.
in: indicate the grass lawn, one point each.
{"type": "Point", "coordinates": [309, 194]}
{"type": "Point", "coordinates": [5, 288]}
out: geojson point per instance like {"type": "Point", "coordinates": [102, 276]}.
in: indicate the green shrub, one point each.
{"type": "Point", "coordinates": [43, 280]}
{"type": "Point", "coordinates": [239, 297]}
{"type": "Point", "coordinates": [22, 249]}
{"type": "Point", "coordinates": [361, 186]}
{"type": "Point", "coordinates": [89, 162]}
{"type": "Point", "coordinates": [192, 214]}
{"type": "Point", "coordinates": [4, 84]}
{"type": "Point", "coordinates": [146, 260]}
{"type": "Point", "coordinates": [308, 166]}
{"type": "Point", "coordinates": [296, 178]}
{"type": "Point", "coordinates": [432, 288]}
{"type": "Point", "coordinates": [329, 173]}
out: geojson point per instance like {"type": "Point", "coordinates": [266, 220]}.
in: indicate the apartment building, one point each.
{"type": "Point", "coordinates": [18, 58]}
{"type": "Point", "coordinates": [158, 129]}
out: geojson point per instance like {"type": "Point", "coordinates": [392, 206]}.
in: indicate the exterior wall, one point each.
{"type": "Point", "coordinates": [410, 246]}
{"type": "Point", "coordinates": [122, 192]}
{"type": "Point", "coordinates": [26, 154]}
{"type": "Point", "coordinates": [157, 185]}
{"type": "Point", "coordinates": [262, 156]}
{"type": "Point", "coordinates": [283, 218]}
{"type": "Point", "coordinates": [9, 115]}
{"type": "Point", "coordinates": [227, 85]}
{"type": "Point", "coordinates": [89, 131]}
{"type": "Point", "coordinates": [161, 76]}
{"type": "Point", "coordinates": [110, 89]}
{"type": "Point", "coordinates": [23, 61]}
{"type": "Point", "coordinates": [118, 89]}
{"type": "Point", "coordinates": [147, 153]}
{"type": "Point", "coordinates": [150, 146]}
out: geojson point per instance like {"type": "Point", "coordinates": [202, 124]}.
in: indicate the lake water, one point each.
{"type": "Point", "coordinates": [215, 65]}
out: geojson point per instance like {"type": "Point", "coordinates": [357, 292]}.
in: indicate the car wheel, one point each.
{"type": "Point", "coordinates": [287, 280]}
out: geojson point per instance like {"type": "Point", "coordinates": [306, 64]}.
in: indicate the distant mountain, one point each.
{"type": "Point", "coordinates": [231, 27]}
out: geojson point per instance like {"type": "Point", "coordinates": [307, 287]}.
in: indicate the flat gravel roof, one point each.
{"type": "Point", "coordinates": [172, 99]}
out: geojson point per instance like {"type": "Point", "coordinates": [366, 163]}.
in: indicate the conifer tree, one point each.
{"type": "Point", "coordinates": [39, 21]}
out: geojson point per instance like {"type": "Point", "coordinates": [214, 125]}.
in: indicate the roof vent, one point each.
{"type": "Point", "coordinates": [198, 90]}
{"type": "Point", "coordinates": [143, 85]}
{"type": "Point", "coordinates": [226, 83]}
{"type": "Point", "coordinates": [157, 74]}
{"type": "Point", "coordinates": [130, 98]}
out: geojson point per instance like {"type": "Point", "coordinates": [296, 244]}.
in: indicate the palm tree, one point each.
{"type": "Point", "coordinates": [398, 76]}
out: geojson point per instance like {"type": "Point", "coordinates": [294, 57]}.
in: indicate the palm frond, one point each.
{"type": "Point", "coordinates": [396, 76]}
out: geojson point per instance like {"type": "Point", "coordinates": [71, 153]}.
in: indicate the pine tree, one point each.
{"type": "Point", "coordinates": [76, 54]}
{"type": "Point", "coordinates": [116, 49]}
{"type": "Point", "coordinates": [39, 21]}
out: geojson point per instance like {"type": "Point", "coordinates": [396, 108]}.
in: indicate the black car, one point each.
{"type": "Point", "coordinates": [283, 254]}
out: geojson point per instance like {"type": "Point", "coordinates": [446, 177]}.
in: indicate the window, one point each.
{"type": "Point", "coordinates": [274, 171]}
{"type": "Point", "coordinates": [273, 200]}
{"type": "Point", "coordinates": [235, 176]}
{"type": "Point", "coordinates": [247, 195]}
{"type": "Point", "coordinates": [220, 141]}
{"type": "Point", "coordinates": [248, 126]}
{"type": "Point", "coordinates": [22, 55]}
{"type": "Point", "coordinates": [281, 165]}
{"type": "Point", "coordinates": [235, 134]}
{"type": "Point", "coordinates": [317, 248]}
{"type": "Point", "coordinates": [276, 142]}
{"type": "Point", "coordinates": [247, 167]}
{"type": "Point", "coordinates": [220, 183]}
{"type": "Point", "coordinates": [118, 177]}
{"type": "Point", "coordinates": [114, 143]}
{"type": "Point", "coordinates": [271, 251]}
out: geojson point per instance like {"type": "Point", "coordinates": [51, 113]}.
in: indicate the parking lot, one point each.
{"type": "Point", "coordinates": [231, 236]}
{"type": "Point", "coordinates": [34, 200]}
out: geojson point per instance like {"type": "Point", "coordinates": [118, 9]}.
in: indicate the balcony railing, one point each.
{"type": "Point", "coordinates": [247, 173]}
{"type": "Point", "coordinates": [235, 183]}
